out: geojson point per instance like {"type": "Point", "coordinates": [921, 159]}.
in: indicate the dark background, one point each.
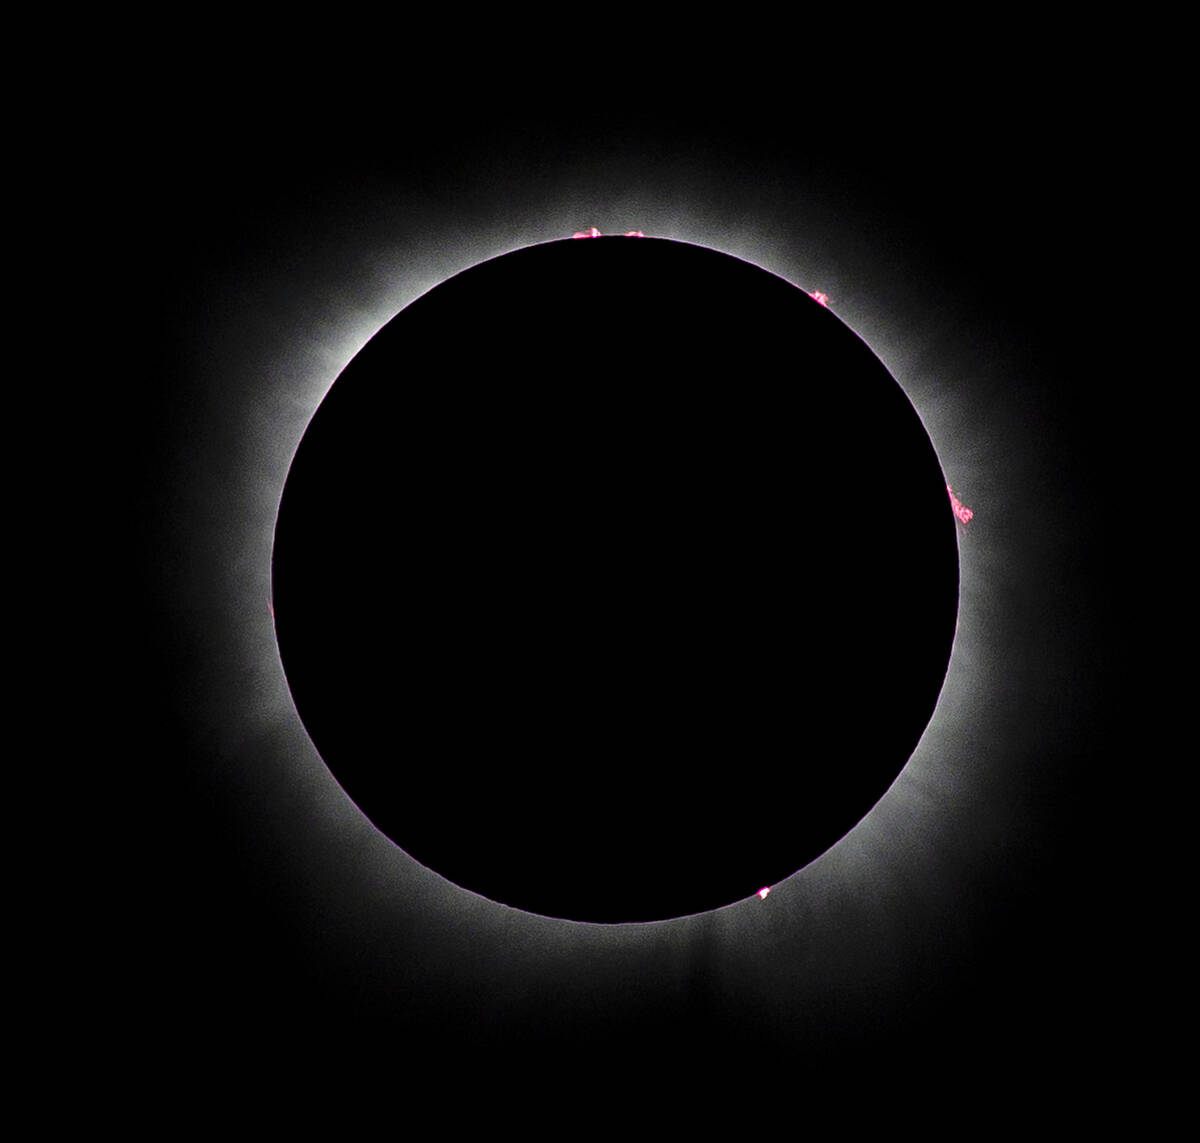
{"type": "Point", "coordinates": [255, 931]}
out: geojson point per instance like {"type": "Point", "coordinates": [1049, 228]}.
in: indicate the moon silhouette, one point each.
{"type": "Point", "coordinates": [615, 580]}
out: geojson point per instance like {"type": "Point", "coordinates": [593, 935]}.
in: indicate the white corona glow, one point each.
{"type": "Point", "coordinates": [341, 317]}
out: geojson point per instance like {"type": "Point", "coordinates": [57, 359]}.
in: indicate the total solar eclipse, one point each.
{"type": "Point", "coordinates": [615, 580]}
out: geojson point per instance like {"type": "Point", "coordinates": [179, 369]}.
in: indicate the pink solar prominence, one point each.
{"type": "Point", "coordinates": [593, 232]}
{"type": "Point", "coordinates": [963, 513]}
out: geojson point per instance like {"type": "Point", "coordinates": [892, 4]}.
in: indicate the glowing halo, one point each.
{"type": "Point", "coordinates": [271, 344]}
{"type": "Point", "coordinates": [272, 426]}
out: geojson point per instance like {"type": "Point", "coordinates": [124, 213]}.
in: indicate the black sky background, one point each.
{"type": "Point", "coordinates": [990, 193]}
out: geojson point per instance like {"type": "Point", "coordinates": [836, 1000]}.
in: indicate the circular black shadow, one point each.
{"type": "Point", "coordinates": [615, 579]}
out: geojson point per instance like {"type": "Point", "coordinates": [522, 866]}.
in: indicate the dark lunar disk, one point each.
{"type": "Point", "coordinates": [615, 579]}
